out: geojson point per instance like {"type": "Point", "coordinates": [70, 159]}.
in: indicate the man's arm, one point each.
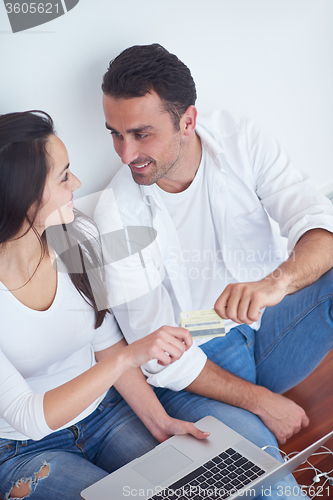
{"type": "Point", "coordinates": [282, 416]}
{"type": "Point", "coordinates": [310, 259]}
{"type": "Point", "coordinates": [241, 302]}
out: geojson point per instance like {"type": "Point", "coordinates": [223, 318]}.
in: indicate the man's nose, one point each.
{"type": "Point", "coordinates": [129, 152]}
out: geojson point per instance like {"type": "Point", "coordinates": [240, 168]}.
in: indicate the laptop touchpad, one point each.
{"type": "Point", "coordinates": [163, 464]}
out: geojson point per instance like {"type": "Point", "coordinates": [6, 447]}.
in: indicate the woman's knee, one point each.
{"type": "Point", "coordinates": [27, 485]}
{"type": "Point", "coordinates": [51, 475]}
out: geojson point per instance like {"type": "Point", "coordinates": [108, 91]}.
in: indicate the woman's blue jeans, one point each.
{"type": "Point", "coordinates": [294, 337]}
{"type": "Point", "coordinates": [78, 456]}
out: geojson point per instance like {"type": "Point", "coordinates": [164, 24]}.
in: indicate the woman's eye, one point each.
{"type": "Point", "coordinates": [66, 177]}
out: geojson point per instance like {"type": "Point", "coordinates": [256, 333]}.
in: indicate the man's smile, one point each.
{"type": "Point", "coordinates": [140, 167]}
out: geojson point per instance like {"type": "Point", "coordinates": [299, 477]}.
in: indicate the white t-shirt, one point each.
{"type": "Point", "coordinates": [250, 180]}
{"type": "Point", "coordinates": [202, 259]}
{"type": "Point", "coordinates": [40, 350]}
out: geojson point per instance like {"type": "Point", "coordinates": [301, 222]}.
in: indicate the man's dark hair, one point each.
{"type": "Point", "coordinates": [142, 69]}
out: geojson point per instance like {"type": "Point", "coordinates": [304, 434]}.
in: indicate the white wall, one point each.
{"type": "Point", "coordinates": [267, 59]}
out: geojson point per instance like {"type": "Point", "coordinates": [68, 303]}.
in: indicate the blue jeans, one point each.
{"type": "Point", "coordinates": [294, 337]}
{"type": "Point", "coordinates": [77, 456]}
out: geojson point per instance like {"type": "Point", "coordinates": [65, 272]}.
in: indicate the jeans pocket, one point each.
{"type": "Point", "coordinates": [248, 334]}
{"type": "Point", "coordinates": [8, 449]}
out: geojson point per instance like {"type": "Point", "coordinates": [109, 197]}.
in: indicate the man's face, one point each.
{"type": "Point", "coordinates": [144, 136]}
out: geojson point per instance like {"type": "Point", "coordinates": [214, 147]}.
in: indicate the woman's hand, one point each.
{"type": "Point", "coordinates": [166, 345]}
{"type": "Point", "coordinates": [116, 363]}
{"type": "Point", "coordinates": [166, 427]}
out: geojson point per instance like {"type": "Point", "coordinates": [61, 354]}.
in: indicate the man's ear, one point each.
{"type": "Point", "coordinates": [188, 121]}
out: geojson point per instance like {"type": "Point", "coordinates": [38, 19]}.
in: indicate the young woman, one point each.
{"type": "Point", "coordinates": [61, 426]}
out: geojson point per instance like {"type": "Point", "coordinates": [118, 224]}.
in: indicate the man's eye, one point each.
{"type": "Point", "coordinates": [114, 133]}
{"type": "Point", "coordinates": [141, 136]}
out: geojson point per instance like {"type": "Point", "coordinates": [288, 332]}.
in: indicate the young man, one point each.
{"type": "Point", "coordinates": [209, 189]}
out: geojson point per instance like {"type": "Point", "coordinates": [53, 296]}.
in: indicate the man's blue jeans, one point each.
{"type": "Point", "coordinates": [294, 337]}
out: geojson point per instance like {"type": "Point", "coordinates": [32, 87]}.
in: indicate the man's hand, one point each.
{"type": "Point", "coordinates": [310, 259]}
{"type": "Point", "coordinates": [166, 427]}
{"type": "Point", "coordinates": [242, 302]}
{"type": "Point", "coordinates": [283, 417]}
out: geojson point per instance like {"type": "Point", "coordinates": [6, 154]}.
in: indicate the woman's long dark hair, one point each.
{"type": "Point", "coordinates": [24, 167]}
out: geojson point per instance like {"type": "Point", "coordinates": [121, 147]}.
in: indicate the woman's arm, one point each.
{"type": "Point", "coordinates": [64, 403]}
{"type": "Point", "coordinates": [133, 387]}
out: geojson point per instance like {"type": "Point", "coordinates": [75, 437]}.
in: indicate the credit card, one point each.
{"type": "Point", "coordinates": [202, 324]}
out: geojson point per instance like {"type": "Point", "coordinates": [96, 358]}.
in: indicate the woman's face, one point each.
{"type": "Point", "coordinates": [57, 205]}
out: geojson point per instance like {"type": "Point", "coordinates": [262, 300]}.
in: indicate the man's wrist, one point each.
{"type": "Point", "coordinates": [256, 395]}
{"type": "Point", "coordinates": [281, 280]}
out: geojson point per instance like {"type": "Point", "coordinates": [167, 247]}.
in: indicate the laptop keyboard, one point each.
{"type": "Point", "coordinates": [218, 478]}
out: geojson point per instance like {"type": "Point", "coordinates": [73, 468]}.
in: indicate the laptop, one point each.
{"type": "Point", "coordinates": [224, 466]}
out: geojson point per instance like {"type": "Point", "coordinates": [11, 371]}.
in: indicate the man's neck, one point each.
{"type": "Point", "coordinates": [181, 177]}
